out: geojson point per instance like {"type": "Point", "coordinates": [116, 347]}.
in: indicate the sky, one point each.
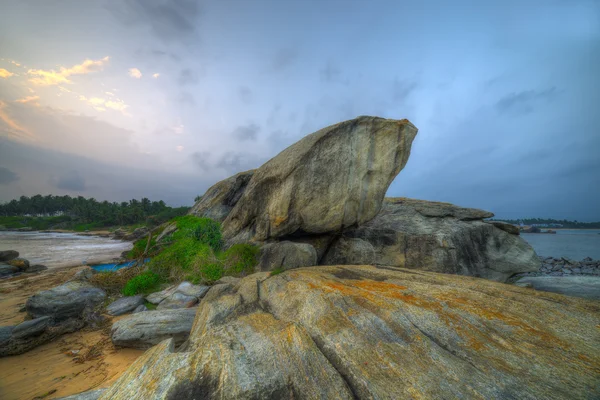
{"type": "Point", "coordinates": [118, 99]}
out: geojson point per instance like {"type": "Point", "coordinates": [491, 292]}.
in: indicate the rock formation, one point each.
{"type": "Point", "coordinates": [364, 332]}
{"type": "Point", "coordinates": [439, 237]}
{"type": "Point", "coordinates": [332, 179]}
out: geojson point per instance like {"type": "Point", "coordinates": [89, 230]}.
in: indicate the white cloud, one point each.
{"type": "Point", "coordinates": [28, 99]}
{"type": "Point", "coordinates": [179, 148]}
{"type": "Point", "coordinates": [156, 75]}
{"type": "Point", "coordinates": [51, 77]}
{"type": "Point", "coordinates": [135, 73]}
{"type": "Point", "coordinates": [5, 74]}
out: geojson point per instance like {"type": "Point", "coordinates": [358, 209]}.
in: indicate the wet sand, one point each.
{"type": "Point", "coordinates": [70, 364]}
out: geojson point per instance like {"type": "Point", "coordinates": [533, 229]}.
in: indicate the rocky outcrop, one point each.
{"type": "Point", "coordinates": [329, 180]}
{"type": "Point", "coordinates": [350, 251]}
{"type": "Point", "coordinates": [286, 255]}
{"type": "Point", "coordinates": [145, 329]}
{"type": "Point", "coordinates": [7, 255]}
{"type": "Point", "coordinates": [71, 300]}
{"type": "Point", "coordinates": [505, 226]}
{"type": "Point", "coordinates": [125, 305]}
{"type": "Point", "coordinates": [89, 395]}
{"type": "Point", "coordinates": [32, 333]}
{"type": "Point", "coordinates": [184, 295]}
{"type": "Point", "coordinates": [220, 198]}
{"type": "Point", "coordinates": [363, 332]}
{"type": "Point", "coordinates": [441, 237]}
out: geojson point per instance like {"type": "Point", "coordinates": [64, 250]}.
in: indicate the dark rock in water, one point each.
{"type": "Point", "coordinates": [286, 255]}
{"type": "Point", "coordinates": [362, 332]}
{"type": "Point", "coordinates": [505, 226]}
{"type": "Point", "coordinates": [219, 199]}
{"type": "Point", "coordinates": [334, 178]}
{"type": "Point", "coordinates": [70, 300]}
{"type": "Point", "coordinates": [8, 270]}
{"type": "Point", "coordinates": [145, 329]}
{"type": "Point", "coordinates": [350, 251]}
{"type": "Point", "coordinates": [20, 263]}
{"type": "Point", "coordinates": [125, 305]}
{"type": "Point", "coordinates": [89, 395]}
{"type": "Point", "coordinates": [36, 268]}
{"type": "Point", "coordinates": [7, 255]}
{"type": "Point", "coordinates": [441, 237]}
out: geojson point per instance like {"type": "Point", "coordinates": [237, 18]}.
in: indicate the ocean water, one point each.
{"type": "Point", "coordinates": [62, 249]}
{"type": "Point", "coordinates": [571, 243]}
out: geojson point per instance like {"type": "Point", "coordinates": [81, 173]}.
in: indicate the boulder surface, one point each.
{"type": "Point", "coordinates": [363, 332]}
{"type": "Point", "coordinates": [442, 237]}
{"type": "Point", "coordinates": [71, 300]}
{"type": "Point", "coordinates": [334, 178]}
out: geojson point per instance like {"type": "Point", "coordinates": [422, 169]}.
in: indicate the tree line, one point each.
{"type": "Point", "coordinates": [90, 210]}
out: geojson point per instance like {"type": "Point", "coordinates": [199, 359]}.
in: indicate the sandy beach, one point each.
{"type": "Point", "coordinates": [71, 364]}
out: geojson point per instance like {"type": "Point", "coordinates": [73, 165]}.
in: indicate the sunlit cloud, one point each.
{"type": "Point", "coordinates": [51, 77]}
{"type": "Point", "coordinates": [109, 94]}
{"type": "Point", "coordinates": [179, 148]}
{"type": "Point", "coordinates": [156, 75]}
{"type": "Point", "coordinates": [31, 90]}
{"type": "Point", "coordinates": [64, 89]}
{"type": "Point", "coordinates": [135, 73]}
{"type": "Point", "coordinates": [13, 128]}
{"type": "Point", "coordinates": [178, 129]}
{"type": "Point", "coordinates": [15, 63]}
{"type": "Point", "coordinates": [101, 104]}
{"type": "Point", "coordinates": [28, 99]}
{"type": "Point", "coordinates": [5, 74]}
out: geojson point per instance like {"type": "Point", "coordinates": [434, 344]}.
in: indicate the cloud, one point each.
{"type": "Point", "coordinates": [101, 104]}
{"type": "Point", "coordinates": [7, 176]}
{"type": "Point", "coordinates": [330, 73]}
{"type": "Point", "coordinates": [156, 75]}
{"type": "Point", "coordinates": [187, 76]}
{"type": "Point", "coordinates": [169, 20]}
{"type": "Point", "coordinates": [12, 127]}
{"type": "Point", "coordinates": [72, 181]}
{"type": "Point", "coordinates": [111, 94]}
{"type": "Point", "coordinates": [179, 148]}
{"type": "Point", "coordinates": [135, 73]}
{"type": "Point", "coordinates": [201, 159]}
{"type": "Point", "coordinates": [523, 102]}
{"type": "Point", "coordinates": [234, 162]}
{"type": "Point", "coordinates": [28, 99]}
{"type": "Point", "coordinates": [245, 94]}
{"type": "Point", "coordinates": [5, 74]}
{"type": "Point", "coordinates": [186, 98]}
{"type": "Point", "coordinates": [247, 132]}
{"type": "Point", "coordinates": [284, 58]}
{"type": "Point", "coordinates": [51, 77]}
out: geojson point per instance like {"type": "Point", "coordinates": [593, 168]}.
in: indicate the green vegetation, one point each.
{"type": "Point", "coordinates": [145, 282]}
{"type": "Point", "coordinates": [277, 271]}
{"type": "Point", "coordinates": [552, 223]}
{"type": "Point", "coordinates": [140, 246]}
{"type": "Point", "coordinates": [81, 214]}
{"type": "Point", "coordinates": [194, 253]}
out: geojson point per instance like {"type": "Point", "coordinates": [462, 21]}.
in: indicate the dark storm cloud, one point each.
{"type": "Point", "coordinates": [188, 76]}
{"type": "Point", "coordinates": [234, 162]}
{"type": "Point", "coordinates": [169, 19]}
{"type": "Point", "coordinates": [7, 176]}
{"type": "Point", "coordinates": [72, 181]}
{"type": "Point", "coordinates": [246, 132]}
{"type": "Point", "coordinates": [524, 102]}
{"type": "Point", "coordinates": [201, 159]}
{"type": "Point", "coordinates": [245, 94]}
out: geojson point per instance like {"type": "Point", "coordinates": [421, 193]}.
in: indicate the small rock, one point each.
{"type": "Point", "coordinates": [36, 268]}
{"type": "Point", "coordinates": [576, 270]}
{"type": "Point", "coordinates": [70, 300]}
{"type": "Point", "coordinates": [8, 270]}
{"type": "Point", "coordinates": [20, 263]}
{"type": "Point", "coordinates": [140, 308]}
{"type": "Point", "coordinates": [157, 297]}
{"type": "Point", "coordinates": [83, 275]}
{"type": "Point", "coordinates": [124, 305]}
{"type": "Point", "coordinates": [177, 300]}
{"type": "Point", "coordinates": [555, 273]}
{"type": "Point", "coordinates": [190, 289]}
{"type": "Point", "coordinates": [568, 261]}
{"type": "Point", "coordinates": [567, 271]}
{"type": "Point", "coordinates": [31, 328]}
{"type": "Point", "coordinates": [7, 255]}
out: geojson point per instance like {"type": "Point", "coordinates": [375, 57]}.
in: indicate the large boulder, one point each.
{"type": "Point", "coordinates": [7, 255]}
{"type": "Point", "coordinates": [145, 329]}
{"type": "Point", "coordinates": [349, 251]}
{"type": "Point", "coordinates": [441, 237]}
{"type": "Point", "coordinates": [20, 263]}
{"type": "Point", "coordinates": [363, 332]}
{"type": "Point", "coordinates": [184, 295]}
{"type": "Point", "coordinates": [7, 270]}
{"type": "Point", "coordinates": [332, 179]}
{"type": "Point", "coordinates": [220, 198]}
{"type": "Point", "coordinates": [73, 299]}
{"type": "Point", "coordinates": [286, 255]}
